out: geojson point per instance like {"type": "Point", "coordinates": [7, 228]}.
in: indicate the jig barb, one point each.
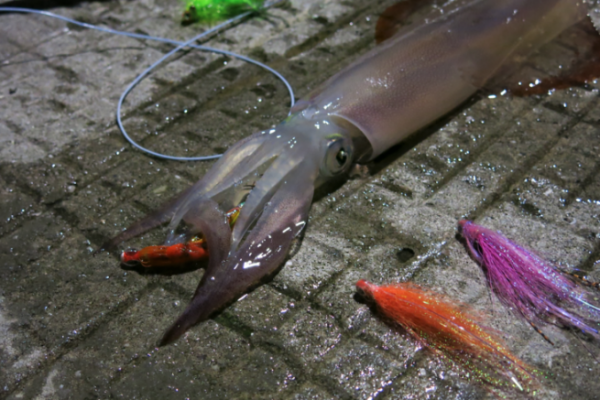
{"type": "Point", "coordinates": [529, 284]}
{"type": "Point", "coordinates": [447, 331]}
{"type": "Point", "coordinates": [212, 11]}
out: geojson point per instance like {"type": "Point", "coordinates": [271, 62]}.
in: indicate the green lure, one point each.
{"type": "Point", "coordinates": [212, 11]}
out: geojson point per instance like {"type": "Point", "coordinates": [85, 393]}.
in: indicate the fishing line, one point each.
{"type": "Point", "coordinates": [179, 46]}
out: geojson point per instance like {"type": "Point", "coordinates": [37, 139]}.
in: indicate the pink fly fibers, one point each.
{"type": "Point", "coordinates": [529, 284]}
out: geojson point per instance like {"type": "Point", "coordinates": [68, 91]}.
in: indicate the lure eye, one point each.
{"type": "Point", "coordinates": [337, 156]}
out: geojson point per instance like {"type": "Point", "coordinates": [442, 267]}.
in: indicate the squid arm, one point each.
{"type": "Point", "coordinates": [226, 278]}
{"type": "Point", "coordinates": [404, 84]}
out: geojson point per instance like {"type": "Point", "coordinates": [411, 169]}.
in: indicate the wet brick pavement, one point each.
{"type": "Point", "coordinates": [73, 326]}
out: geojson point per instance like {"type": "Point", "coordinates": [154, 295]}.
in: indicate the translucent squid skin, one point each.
{"type": "Point", "coordinates": [420, 74]}
{"type": "Point", "coordinates": [399, 87]}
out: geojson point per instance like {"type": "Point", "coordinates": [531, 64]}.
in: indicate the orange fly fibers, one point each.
{"type": "Point", "coordinates": [446, 330]}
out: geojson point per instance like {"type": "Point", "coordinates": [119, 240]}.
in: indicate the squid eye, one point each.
{"type": "Point", "coordinates": [341, 157]}
{"type": "Point", "coordinates": [338, 155]}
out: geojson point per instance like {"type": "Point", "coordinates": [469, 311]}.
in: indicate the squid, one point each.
{"type": "Point", "coordinates": [413, 78]}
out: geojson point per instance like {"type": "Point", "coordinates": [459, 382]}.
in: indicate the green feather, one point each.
{"type": "Point", "coordinates": [212, 11]}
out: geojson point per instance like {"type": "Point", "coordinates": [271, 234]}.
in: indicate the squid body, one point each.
{"type": "Point", "coordinates": [404, 84]}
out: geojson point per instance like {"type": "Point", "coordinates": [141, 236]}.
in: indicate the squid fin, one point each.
{"type": "Point", "coordinates": [575, 61]}
{"type": "Point", "coordinates": [396, 16]}
{"type": "Point", "coordinates": [412, 12]}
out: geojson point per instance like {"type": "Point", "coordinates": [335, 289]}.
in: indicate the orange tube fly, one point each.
{"type": "Point", "coordinates": [449, 332]}
{"type": "Point", "coordinates": [175, 255]}
{"type": "Point", "coordinates": [164, 256]}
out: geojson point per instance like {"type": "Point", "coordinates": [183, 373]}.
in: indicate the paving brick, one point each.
{"type": "Point", "coordinates": [309, 392]}
{"type": "Point", "coordinates": [15, 147]}
{"type": "Point", "coordinates": [431, 379]}
{"type": "Point", "coordinates": [362, 371]}
{"type": "Point", "coordinates": [21, 352]}
{"type": "Point", "coordinates": [65, 291]}
{"type": "Point", "coordinates": [311, 268]}
{"type": "Point", "coordinates": [15, 208]}
{"type": "Point", "coordinates": [309, 334]}
{"type": "Point", "coordinates": [264, 309]}
{"type": "Point", "coordinates": [32, 240]}
{"type": "Point", "coordinates": [120, 360]}
{"type": "Point", "coordinates": [48, 179]}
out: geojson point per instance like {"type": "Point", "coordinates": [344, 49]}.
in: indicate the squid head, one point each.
{"type": "Point", "coordinates": [272, 175]}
